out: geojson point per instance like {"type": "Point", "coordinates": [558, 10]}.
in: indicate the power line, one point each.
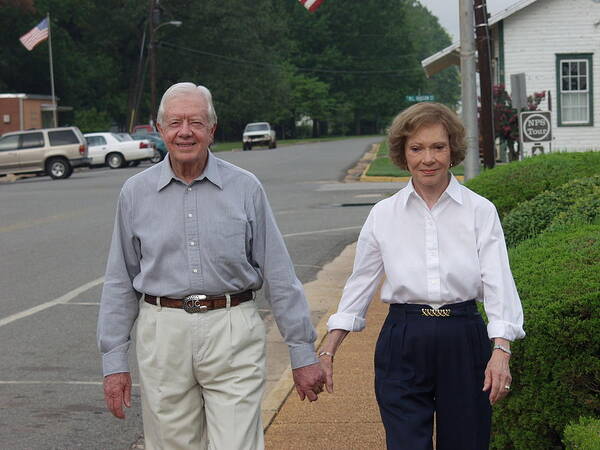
{"type": "Point", "coordinates": [395, 72]}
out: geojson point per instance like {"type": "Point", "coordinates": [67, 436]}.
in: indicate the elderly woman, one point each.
{"type": "Point", "coordinates": [441, 249]}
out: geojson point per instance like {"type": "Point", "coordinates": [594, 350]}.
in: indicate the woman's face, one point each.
{"type": "Point", "coordinates": [428, 158]}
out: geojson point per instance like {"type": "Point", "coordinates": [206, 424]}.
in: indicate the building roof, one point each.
{"type": "Point", "coordinates": [451, 54]}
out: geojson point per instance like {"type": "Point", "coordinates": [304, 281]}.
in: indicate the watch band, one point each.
{"type": "Point", "coordinates": [503, 348]}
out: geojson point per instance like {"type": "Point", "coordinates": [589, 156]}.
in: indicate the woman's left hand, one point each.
{"type": "Point", "coordinates": [497, 376]}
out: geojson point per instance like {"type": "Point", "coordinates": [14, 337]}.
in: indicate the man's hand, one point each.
{"type": "Point", "coordinates": [497, 376]}
{"type": "Point", "coordinates": [309, 381]}
{"type": "Point", "coordinates": [117, 391]}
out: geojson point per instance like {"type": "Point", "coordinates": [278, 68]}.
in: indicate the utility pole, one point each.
{"type": "Point", "coordinates": [153, 20]}
{"type": "Point", "coordinates": [469, 88]}
{"type": "Point", "coordinates": [139, 86]}
{"type": "Point", "coordinates": [485, 84]}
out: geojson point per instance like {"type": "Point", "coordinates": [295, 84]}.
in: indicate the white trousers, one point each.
{"type": "Point", "coordinates": [202, 377]}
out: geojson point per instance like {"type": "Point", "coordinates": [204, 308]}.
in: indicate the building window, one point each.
{"type": "Point", "coordinates": [574, 79]}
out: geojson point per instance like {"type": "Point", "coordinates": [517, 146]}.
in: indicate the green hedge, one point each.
{"type": "Point", "coordinates": [510, 184]}
{"type": "Point", "coordinates": [532, 217]}
{"type": "Point", "coordinates": [583, 435]}
{"type": "Point", "coordinates": [585, 210]}
{"type": "Point", "coordinates": [556, 368]}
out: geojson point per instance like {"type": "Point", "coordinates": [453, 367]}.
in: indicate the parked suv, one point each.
{"type": "Point", "coordinates": [54, 151]}
{"type": "Point", "coordinates": [259, 133]}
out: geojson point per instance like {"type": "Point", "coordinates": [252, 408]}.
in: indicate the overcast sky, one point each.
{"type": "Point", "coordinates": [447, 12]}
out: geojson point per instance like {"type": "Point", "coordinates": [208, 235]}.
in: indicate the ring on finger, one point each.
{"type": "Point", "coordinates": [507, 387]}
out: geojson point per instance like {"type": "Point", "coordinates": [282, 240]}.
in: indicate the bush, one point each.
{"type": "Point", "coordinates": [90, 120]}
{"type": "Point", "coordinates": [510, 184]}
{"type": "Point", "coordinates": [532, 217]}
{"type": "Point", "coordinates": [585, 210]}
{"type": "Point", "coordinates": [583, 435]}
{"type": "Point", "coordinates": [555, 369]}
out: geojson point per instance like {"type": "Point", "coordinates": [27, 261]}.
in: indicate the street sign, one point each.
{"type": "Point", "coordinates": [536, 126]}
{"type": "Point", "coordinates": [420, 98]}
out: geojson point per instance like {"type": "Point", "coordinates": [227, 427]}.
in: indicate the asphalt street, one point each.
{"type": "Point", "coordinates": [54, 239]}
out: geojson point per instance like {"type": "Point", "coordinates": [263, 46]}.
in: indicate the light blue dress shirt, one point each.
{"type": "Point", "coordinates": [214, 236]}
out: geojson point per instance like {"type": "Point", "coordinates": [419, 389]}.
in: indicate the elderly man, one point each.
{"type": "Point", "coordinates": [194, 237]}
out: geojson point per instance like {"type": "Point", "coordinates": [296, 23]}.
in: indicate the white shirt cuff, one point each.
{"type": "Point", "coordinates": [505, 330]}
{"type": "Point", "coordinates": [344, 321]}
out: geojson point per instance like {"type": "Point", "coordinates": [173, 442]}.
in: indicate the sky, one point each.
{"type": "Point", "coordinates": [447, 12]}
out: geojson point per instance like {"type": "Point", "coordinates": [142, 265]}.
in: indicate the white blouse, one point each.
{"type": "Point", "coordinates": [449, 254]}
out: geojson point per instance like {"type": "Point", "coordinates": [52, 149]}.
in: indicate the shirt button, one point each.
{"type": "Point", "coordinates": [189, 189]}
{"type": "Point", "coordinates": [195, 270]}
{"type": "Point", "coordinates": [192, 243]}
{"type": "Point", "coordinates": [189, 215]}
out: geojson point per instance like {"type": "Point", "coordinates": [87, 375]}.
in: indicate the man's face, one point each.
{"type": "Point", "coordinates": [185, 129]}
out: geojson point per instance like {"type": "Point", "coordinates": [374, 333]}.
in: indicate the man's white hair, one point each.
{"type": "Point", "coordinates": [187, 88]}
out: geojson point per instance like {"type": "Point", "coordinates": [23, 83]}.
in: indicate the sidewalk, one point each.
{"type": "Point", "coordinates": [348, 419]}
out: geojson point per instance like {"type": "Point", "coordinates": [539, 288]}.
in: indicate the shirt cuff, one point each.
{"type": "Point", "coordinates": [115, 362]}
{"type": "Point", "coordinates": [505, 330]}
{"type": "Point", "coordinates": [303, 355]}
{"type": "Point", "coordinates": [344, 321]}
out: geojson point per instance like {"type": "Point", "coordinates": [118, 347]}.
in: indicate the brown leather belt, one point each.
{"type": "Point", "coordinates": [198, 303]}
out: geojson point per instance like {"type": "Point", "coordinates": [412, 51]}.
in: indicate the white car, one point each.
{"type": "Point", "coordinates": [118, 149]}
{"type": "Point", "coordinates": [259, 133]}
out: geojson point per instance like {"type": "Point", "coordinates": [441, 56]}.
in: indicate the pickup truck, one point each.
{"type": "Point", "coordinates": [118, 149]}
{"type": "Point", "coordinates": [259, 133]}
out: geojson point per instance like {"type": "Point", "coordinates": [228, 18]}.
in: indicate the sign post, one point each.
{"type": "Point", "coordinates": [519, 100]}
{"type": "Point", "coordinates": [536, 127]}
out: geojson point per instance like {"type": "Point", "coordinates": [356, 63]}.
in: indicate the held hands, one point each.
{"type": "Point", "coordinates": [117, 392]}
{"type": "Point", "coordinates": [497, 376]}
{"type": "Point", "coordinates": [309, 381]}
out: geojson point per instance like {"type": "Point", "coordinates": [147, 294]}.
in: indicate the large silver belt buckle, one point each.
{"type": "Point", "coordinates": [191, 304]}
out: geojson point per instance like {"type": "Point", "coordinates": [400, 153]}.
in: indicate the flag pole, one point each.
{"type": "Point", "coordinates": [54, 115]}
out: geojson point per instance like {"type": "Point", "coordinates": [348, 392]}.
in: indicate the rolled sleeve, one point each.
{"type": "Point", "coordinates": [119, 302]}
{"type": "Point", "coordinates": [362, 284]}
{"type": "Point", "coordinates": [501, 299]}
{"type": "Point", "coordinates": [283, 290]}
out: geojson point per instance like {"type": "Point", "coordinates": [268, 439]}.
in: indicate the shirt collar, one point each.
{"type": "Point", "coordinates": [452, 190]}
{"type": "Point", "coordinates": [210, 172]}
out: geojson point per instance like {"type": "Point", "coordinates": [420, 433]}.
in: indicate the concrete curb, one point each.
{"type": "Point", "coordinates": [326, 290]}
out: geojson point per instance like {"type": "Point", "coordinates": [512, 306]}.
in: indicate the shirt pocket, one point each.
{"type": "Point", "coordinates": [228, 240]}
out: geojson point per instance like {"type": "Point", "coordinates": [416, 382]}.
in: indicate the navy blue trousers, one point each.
{"type": "Point", "coordinates": [433, 364]}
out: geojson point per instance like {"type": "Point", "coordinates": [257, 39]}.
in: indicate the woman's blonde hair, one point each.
{"type": "Point", "coordinates": [411, 119]}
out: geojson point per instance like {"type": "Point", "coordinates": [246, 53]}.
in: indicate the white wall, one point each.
{"type": "Point", "coordinates": [532, 38]}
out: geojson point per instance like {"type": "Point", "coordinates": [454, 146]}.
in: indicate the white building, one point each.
{"type": "Point", "coordinates": [553, 42]}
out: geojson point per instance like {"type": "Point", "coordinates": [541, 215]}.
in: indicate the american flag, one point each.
{"type": "Point", "coordinates": [311, 5]}
{"type": "Point", "coordinates": [37, 34]}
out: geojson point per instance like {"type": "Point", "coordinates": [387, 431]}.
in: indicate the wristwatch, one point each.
{"type": "Point", "coordinates": [503, 348]}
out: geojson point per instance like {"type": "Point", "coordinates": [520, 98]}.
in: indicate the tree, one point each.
{"type": "Point", "coordinates": [349, 66]}
{"type": "Point", "coordinates": [506, 120]}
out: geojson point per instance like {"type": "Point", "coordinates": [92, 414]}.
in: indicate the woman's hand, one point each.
{"type": "Point", "coordinates": [334, 339]}
{"type": "Point", "coordinates": [327, 366]}
{"type": "Point", "coordinates": [497, 374]}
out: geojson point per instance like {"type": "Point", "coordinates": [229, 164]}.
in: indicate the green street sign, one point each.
{"type": "Point", "coordinates": [420, 98]}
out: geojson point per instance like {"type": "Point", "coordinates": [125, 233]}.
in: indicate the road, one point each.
{"type": "Point", "coordinates": [54, 239]}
